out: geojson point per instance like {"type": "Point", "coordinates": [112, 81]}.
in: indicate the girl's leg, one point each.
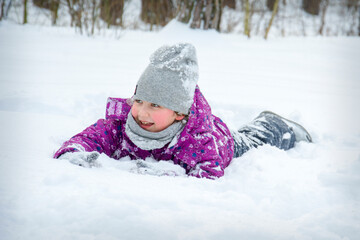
{"type": "Point", "coordinates": [268, 128]}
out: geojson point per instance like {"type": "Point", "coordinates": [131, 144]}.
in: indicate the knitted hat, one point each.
{"type": "Point", "coordinates": [170, 78]}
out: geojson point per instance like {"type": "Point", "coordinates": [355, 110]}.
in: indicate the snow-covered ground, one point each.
{"type": "Point", "coordinates": [54, 83]}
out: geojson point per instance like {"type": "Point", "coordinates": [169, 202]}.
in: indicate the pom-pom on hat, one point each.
{"type": "Point", "coordinates": [170, 78]}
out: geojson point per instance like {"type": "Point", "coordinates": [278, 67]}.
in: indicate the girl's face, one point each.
{"type": "Point", "coordinates": [153, 117]}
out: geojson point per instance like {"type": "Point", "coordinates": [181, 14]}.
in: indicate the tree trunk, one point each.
{"type": "Point", "coordinates": [2, 9]}
{"type": "Point", "coordinates": [94, 15]}
{"type": "Point", "coordinates": [75, 10]}
{"type": "Point", "coordinates": [208, 10]}
{"type": "Point", "coordinates": [352, 3]}
{"type": "Point", "coordinates": [25, 12]}
{"type": "Point", "coordinates": [54, 10]}
{"type": "Point", "coordinates": [7, 9]}
{"type": "Point", "coordinates": [247, 18]}
{"type": "Point", "coordinates": [229, 3]}
{"type": "Point", "coordinates": [157, 12]}
{"type": "Point", "coordinates": [323, 14]}
{"type": "Point", "coordinates": [196, 23]}
{"type": "Point", "coordinates": [274, 11]}
{"type": "Point", "coordinates": [79, 13]}
{"type": "Point", "coordinates": [52, 5]}
{"type": "Point", "coordinates": [185, 8]}
{"type": "Point", "coordinates": [311, 6]}
{"type": "Point", "coordinates": [359, 23]}
{"type": "Point", "coordinates": [217, 15]}
{"type": "Point", "coordinates": [111, 12]}
{"type": "Point", "coordinates": [71, 12]}
{"type": "Point", "coordinates": [270, 4]}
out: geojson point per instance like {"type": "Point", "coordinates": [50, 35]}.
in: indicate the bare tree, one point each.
{"type": "Point", "coordinates": [274, 11]}
{"type": "Point", "coordinates": [52, 5]}
{"type": "Point", "coordinates": [157, 12]}
{"type": "Point", "coordinates": [352, 3]}
{"type": "Point", "coordinates": [229, 3]}
{"type": "Point", "coordinates": [213, 14]}
{"type": "Point", "coordinates": [184, 10]}
{"type": "Point", "coordinates": [111, 11]}
{"type": "Point", "coordinates": [2, 9]}
{"type": "Point", "coordinates": [94, 15]}
{"type": "Point", "coordinates": [353, 8]}
{"type": "Point", "coordinates": [75, 12]}
{"type": "Point", "coordinates": [54, 8]}
{"type": "Point", "coordinates": [311, 6]}
{"type": "Point", "coordinates": [204, 13]}
{"type": "Point", "coordinates": [89, 15]}
{"type": "Point", "coordinates": [84, 14]}
{"type": "Point", "coordinates": [7, 8]}
{"type": "Point", "coordinates": [325, 5]}
{"type": "Point", "coordinates": [196, 23]}
{"type": "Point", "coordinates": [270, 4]}
{"type": "Point", "coordinates": [247, 19]}
{"type": "Point", "coordinates": [251, 8]}
{"type": "Point", "coordinates": [25, 12]}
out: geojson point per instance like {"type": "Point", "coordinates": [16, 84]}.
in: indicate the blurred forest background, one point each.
{"type": "Point", "coordinates": [247, 17]}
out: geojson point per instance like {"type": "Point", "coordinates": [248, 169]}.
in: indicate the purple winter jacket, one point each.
{"type": "Point", "coordinates": [204, 148]}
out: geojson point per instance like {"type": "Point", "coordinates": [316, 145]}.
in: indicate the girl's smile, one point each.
{"type": "Point", "coordinates": [152, 117]}
{"type": "Point", "coordinates": [145, 125]}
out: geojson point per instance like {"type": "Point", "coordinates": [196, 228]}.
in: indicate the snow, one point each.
{"type": "Point", "coordinates": [54, 83]}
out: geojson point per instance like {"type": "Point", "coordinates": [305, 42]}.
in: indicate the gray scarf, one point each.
{"type": "Point", "coordinates": [151, 140]}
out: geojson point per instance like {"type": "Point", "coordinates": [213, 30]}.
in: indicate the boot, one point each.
{"type": "Point", "coordinates": [300, 132]}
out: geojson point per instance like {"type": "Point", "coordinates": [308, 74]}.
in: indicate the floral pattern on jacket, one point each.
{"type": "Point", "coordinates": [204, 148]}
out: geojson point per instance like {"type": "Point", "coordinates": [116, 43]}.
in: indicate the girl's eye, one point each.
{"type": "Point", "coordinates": [138, 101]}
{"type": "Point", "coordinates": [155, 105]}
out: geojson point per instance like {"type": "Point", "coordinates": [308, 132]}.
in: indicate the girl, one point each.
{"type": "Point", "coordinates": [168, 118]}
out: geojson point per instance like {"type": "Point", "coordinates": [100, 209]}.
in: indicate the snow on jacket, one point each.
{"type": "Point", "coordinates": [204, 148]}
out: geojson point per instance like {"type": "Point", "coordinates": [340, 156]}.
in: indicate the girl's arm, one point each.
{"type": "Point", "coordinates": [208, 169]}
{"type": "Point", "coordinates": [201, 157]}
{"type": "Point", "coordinates": [102, 137]}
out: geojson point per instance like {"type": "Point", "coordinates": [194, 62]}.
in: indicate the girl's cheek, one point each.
{"type": "Point", "coordinates": [158, 118]}
{"type": "Point", "coordinates": [134, 111]}
{"type": "Point", "coordinates": [163, 118]}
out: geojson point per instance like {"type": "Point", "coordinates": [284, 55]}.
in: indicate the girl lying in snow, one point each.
{"type": "Point", "coordinates": [168, 118]}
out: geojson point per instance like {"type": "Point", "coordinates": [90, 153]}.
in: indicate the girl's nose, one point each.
{"type": "Point", "coordinates": [143, 111]}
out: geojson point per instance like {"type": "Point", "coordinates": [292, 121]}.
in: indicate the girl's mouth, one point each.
{"type": "Point", "coordinates": [145, 125]}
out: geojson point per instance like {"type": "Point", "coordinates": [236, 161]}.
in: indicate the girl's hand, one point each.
{"type": "Point", "coordinates": [155, 168]}
{"type": "Point", "coordinates": [83, 159]}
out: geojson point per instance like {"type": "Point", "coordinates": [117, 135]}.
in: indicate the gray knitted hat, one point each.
{"type": "Point", "coordinates": [170, 78]}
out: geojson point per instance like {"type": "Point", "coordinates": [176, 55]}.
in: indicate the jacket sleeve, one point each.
{"type": "Point", "coordinates": [200, 157]}
{"type": "Point", "coordinates": [103, 137]}
{"type": "Point", "coordinates": [208, 169]}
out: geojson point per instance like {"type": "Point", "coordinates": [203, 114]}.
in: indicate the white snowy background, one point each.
{"type": "Point", "coordinates": [54, 83]}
